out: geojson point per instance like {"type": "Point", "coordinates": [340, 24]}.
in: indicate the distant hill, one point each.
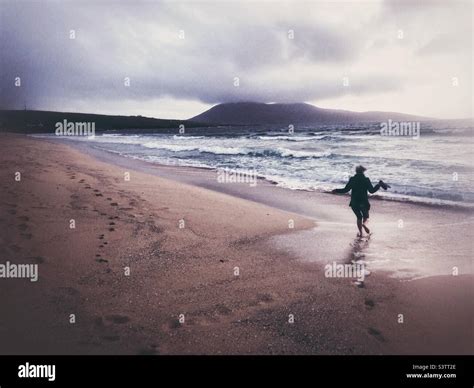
{"type": "Point", "coordinates": [35, 121]}
{"type": "Point", "coordinates": [247, 113]}
{"type": "Point", "coordinates": [241, 113]}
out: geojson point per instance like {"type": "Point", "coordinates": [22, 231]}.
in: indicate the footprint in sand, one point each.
{"type": "Point", "coordinates": [113, 204]}
{"type": "Point", "coordinates": [369, 304]}
{"type": "Point", "coordinates": [265, 298]}
{"type": "Point", "coordinates": [22, 227]}
{"type": "Point", "coordinates": [377, 334]}
{"type": "Point", "coordinates": [111, 229]}
{"type": "Point", "coordinates": [38, 259]}
{"type": "Point", "coordinates": [222, 310]}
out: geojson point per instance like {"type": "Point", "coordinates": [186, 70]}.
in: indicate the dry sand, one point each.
{"type": "Point", "coordinates": [190, 271]}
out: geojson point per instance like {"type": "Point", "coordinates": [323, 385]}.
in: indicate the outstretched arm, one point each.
{"type": "Point", "coordinates": [372, 189]}
{"type": "Point", "coordinates": [346, 189]}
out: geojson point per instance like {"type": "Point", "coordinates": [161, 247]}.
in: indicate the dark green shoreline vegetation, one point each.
{"type": "Point", "coordinates": [36, 121]}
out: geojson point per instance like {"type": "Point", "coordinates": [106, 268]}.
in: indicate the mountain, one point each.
{"type": "Point", "coordinates": [239, 113]}
{"type": "Point", "coordinates": [248, 113]}
{"type": "Point", "coordinates": [36, 121]}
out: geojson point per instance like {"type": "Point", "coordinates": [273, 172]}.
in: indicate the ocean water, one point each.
{"type": "Point", "coordinates": [435, 167]}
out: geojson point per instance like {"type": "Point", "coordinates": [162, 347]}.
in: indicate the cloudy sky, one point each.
{"type": "Point", "coordinates": [181, 58]}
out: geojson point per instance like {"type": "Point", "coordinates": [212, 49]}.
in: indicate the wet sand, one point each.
{"type": "Point", "coordinates": [234, 273]}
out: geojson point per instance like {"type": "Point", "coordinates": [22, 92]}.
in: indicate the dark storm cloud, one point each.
{"type": "Point", "coordinates": [321, 44]}
{"type": "Point", "coordinates": [118, 40]}
{"type": "Point", "coordinates": [222, 41]}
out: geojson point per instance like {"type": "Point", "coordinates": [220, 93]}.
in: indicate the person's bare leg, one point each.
{"type": "Point", "coordinates": [367, 230]}
{"type": "Point", "coordinates": [359, 226]}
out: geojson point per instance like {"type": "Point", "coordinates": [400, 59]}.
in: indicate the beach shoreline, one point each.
{"type": "Point", "coordinates": [184, 174]}
{"type": "Point", "coordinates": [182, 240]}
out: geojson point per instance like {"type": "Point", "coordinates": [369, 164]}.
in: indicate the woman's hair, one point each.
{"type": "Point", "coordinates": [360, 169]}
